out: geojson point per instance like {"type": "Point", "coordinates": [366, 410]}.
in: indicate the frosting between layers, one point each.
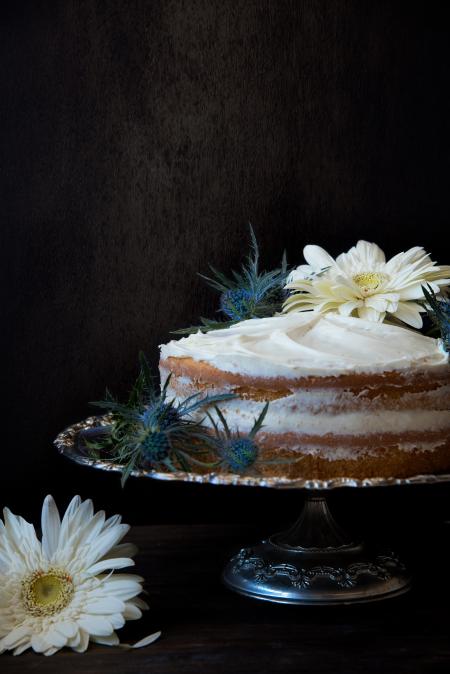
{"type": "Point", "coordinates": [325, 400]}
{"type": "Point", "coordinates": [242, 414]}
{"type": "Point", "coordinates": [357, 453]}
{"type": "Point", "coordinates": [283, 418]}
{"type": "Point", "coordinates": [309, 344]}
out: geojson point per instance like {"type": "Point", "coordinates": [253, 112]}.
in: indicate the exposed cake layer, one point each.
{"type": "Point", "coordinates": [315, 395]}
{"type": "Point", "coordinates": [386, 461]}
{"type": "Point", "coordinates": [348, 448]}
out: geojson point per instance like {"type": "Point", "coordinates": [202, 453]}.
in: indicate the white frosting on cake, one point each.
{"type": "Point", "coordinates": [305, 344]}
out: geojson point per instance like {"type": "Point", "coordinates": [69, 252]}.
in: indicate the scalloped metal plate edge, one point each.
{"type": "Point", "coordinates": [65, 443]}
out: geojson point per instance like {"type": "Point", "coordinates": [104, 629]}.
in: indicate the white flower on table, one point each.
{"type": "Point", "coordinates": [62, 591]}
{"type": "Point", "coordinates": [362, 283]}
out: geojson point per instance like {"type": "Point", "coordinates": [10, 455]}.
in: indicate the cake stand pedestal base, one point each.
{"type": "Point", "coordinates": [315, 562]}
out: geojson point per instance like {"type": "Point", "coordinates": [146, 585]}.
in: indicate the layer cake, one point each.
{"type": "Point", "coordinates": [348, 397]}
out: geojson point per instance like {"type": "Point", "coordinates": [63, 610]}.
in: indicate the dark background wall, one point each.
{"type": "Point", "coordinates": [138, 138]}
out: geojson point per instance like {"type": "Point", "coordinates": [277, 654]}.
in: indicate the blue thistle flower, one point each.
{"type": "Point", "coordinates": [249, 293]}
{"type": "Point", "coordinates": [155, 447]}
{"type": "Point", "coordinates": [236, 303]}
{"type": "Point", "coordinates": [237, 452]}
{"type": "Point", "coordinates": [240, 454]}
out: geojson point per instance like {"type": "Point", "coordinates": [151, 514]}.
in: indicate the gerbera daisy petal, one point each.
{"type": "Point", "coordinates": [75, 641]}
{"type": "Point", "coordinates": [433, 276]}
{"type": "Point", "coordinates": [105, 605]}
{"type": "Point", "coordinates": [123, 550]}
{"type": "Point", "coordinates": [379, 304]}
{"type": "Point", "coordinates": [412, 292]}
{"type": "Point", "coordinates": [122, 580]}
{"type": "Point", "coordinates": [347, 308]}
{"type": "Point", "coordinates": [301, 272]}
{"type": "Point", "coordinates": [15, 637]}
{"type": "Point", "coordinates": [68, 518]}
{"type": "Point", "coordinates": [132, 612]}
{"type": "Point", "coordinates": [94, 624]}
{"type": "Point", "coordinates": [126, 591]}
{"type": "Point", "coordinates": [82, 514]}
{"type": "Point", "coordinates": [138, 601]}
{"type": "Point", "coordinates": [436, 287]}
{"type": "Point", "coordinates": [317, 257]}
{"type": "Point", "coordinates": [68, 628]}
{"type": "Point", "coordinates": [112, 521]}
{"type": "Point", "coordinates": [401, 259]}
{"type": "Point", "coordinates": [369, 253]}
{"type": "Point", "coordinates": [21, 649]}
{"type": "Point", "coordinates": [106, 540]}
{"type": "Point", "coordinates": [19, 546]}
{"type": "Point", "coordinates": [50, 524]}
{"type": "Point", "coordinates": [96, 527]}
{"type": "Point", "coordinates": [409, 313]}
{"type": "Point", "coordinates": [114, 563]}
{"type": "Point", "coordinates": [109, 640]}
{"type": "Point", "coordinates": [82, 642]}
{"type": "Point", "coordinates": [55, 638]}
{"type": "Point", "coordinates": [39, 644]}
{"type": "Point", "coordinates": [117, 620]}
{"type": "Point", "coordinates": [369, 314]}
{"type": "Point", "coordinates": [146, 641]}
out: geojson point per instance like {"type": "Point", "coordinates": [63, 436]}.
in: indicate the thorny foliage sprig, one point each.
{"type": "Point", "coordinates": [236, 451]}
{"type": "Point", "coordinates": [249, 293]}
{"type": "Point", "coordinates": [151, 430]}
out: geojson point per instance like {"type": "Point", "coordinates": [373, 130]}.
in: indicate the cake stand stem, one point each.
{"type": "Point", "coordinates": [315, 562]}
{"type": "Point", "coordinates": [315, 529]}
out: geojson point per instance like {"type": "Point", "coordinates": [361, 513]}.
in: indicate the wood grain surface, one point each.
{"type": "Point", "coordinates": [209, 630]}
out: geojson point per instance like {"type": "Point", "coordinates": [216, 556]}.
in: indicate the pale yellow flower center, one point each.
{"type": "Point", "coordinates": [369, 281]}
{"type": "Point", "coordinates": [47, 592]}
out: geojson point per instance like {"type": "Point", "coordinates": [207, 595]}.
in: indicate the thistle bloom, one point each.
{"type": "Point", "coordinates": [236, 451]}
{"type": "Point", "coordinates": [248, 293]}
{"type": "Point", "coordinates": [362, 283]}
{"type": "Point", "coordinates": [61, 591]}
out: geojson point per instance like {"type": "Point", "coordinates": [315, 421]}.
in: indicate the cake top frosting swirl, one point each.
{"type": "Point", "coordinates": [308, 344]}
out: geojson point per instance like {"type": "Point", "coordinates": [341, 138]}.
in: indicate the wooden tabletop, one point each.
{"type": "Point", "coordinates": [206, 628]}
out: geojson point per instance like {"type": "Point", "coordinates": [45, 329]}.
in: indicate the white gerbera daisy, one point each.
{"type": "Point", "coordinates": [361, 283]}
{"type": "Point", "coordinates": [54, 593]}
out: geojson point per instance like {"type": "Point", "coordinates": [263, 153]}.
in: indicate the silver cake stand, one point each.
{"type": "Point", "coordinates": [314, 562]}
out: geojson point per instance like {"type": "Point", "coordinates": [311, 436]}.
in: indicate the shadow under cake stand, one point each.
{"type": "Point", "coordinates": [314, 562]}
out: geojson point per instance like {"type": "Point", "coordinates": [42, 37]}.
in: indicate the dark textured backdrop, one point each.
{"type": "Point", "coordinates": [139, 138]}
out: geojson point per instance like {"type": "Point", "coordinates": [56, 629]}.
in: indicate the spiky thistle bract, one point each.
{"type": "Point", "coordinates": [151, 430]}
{"type": "Point", "coordinates": [236, 451]}
{"type": "Point", "coordinates": [438, 310]}
{"type": "Point", "coordinates": [249, 293]}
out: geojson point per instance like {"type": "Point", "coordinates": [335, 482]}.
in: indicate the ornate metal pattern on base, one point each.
{"type": "Point", "coordinates": [315, 562]}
